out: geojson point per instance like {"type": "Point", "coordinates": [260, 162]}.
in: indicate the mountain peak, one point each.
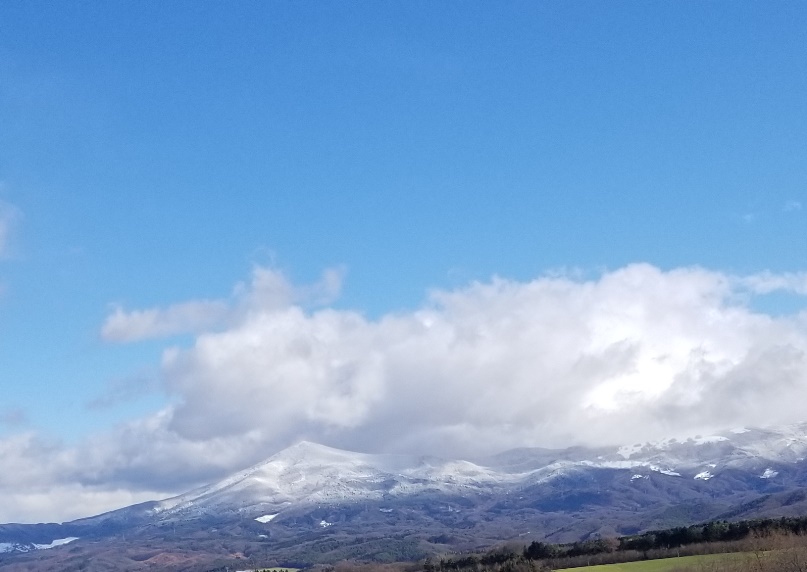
{"type": "Point", "coordinates": [311, 446]}
{"type": "Point", "coordinates": [308, 451]}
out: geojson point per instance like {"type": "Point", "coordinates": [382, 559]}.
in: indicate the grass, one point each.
{"type": "Point", "coordinates": [663, 564]}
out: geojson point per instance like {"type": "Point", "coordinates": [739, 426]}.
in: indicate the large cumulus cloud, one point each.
{"type": "Point", "coordinates": [628, 355]}
{"type": "Point", "coordinates": [637, 352]}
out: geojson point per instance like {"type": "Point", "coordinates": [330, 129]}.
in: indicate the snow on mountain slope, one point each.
{"type": "Point", "coordinates": [312, 473]}
{"type": "Point", "coordinates": [308, 473]}
{"type": "Point", "coordinates": [303, 472]}
{"type": "Point", "coordinates": [29, 547]}
{"type": "Point", "coordinates": [309, 487]}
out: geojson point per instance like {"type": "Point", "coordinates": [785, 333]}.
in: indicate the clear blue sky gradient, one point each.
{"type": "Point", "coordinates": [157, 150]}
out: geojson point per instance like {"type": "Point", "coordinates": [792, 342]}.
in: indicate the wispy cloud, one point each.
{"type": "Point", "coordinates": [792, 206]}
{"type": "Point", "coordinates": [268, 289]}
{"type": "Point", "coordinates": [189, 317]}
{"type": "Point", "coordinates": [768, 282]}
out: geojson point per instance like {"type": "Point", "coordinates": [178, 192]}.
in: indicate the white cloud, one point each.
{"type": "Point", "coordinates": [197, 316]}
{"type": "Point", "coordinates": [549, 362]}
{"type": "Point", "coordinates": [768, 282]}
{"type": "Point", "coordinates": [38, 484]}
{"type": "Point", "coordinates": [65, 502]}
{"type": "Point", "coordinates": [792, 206]}
{"type": "Point", "coordinates": [637, 353]}
{"type": "Point", "coordinates": [45, 480]}
{"type": "Point", "coordinates": [268, 289]}
{"type": "Point", "coordinates": [554, 361]}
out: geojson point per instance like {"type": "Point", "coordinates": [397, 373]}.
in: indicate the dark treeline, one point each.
{"type": "Point", "coordinates": [716, 531]}
{"type": "Point", "coordinates": [498, 560]}
{"type": "Point", "coordinates": [716, 536]}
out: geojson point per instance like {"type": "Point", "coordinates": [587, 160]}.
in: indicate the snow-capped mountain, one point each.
{"type": "Point", "coordinates": [309, 494]}
{"type": "Point", "coordinates": [317, 474]}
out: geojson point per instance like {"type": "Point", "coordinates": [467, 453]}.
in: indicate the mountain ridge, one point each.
{"type": "Point", "coordinates": [309, 494]}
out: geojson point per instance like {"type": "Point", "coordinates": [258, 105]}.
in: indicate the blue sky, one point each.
{"type": "Point", "coordinates": [153, 153]}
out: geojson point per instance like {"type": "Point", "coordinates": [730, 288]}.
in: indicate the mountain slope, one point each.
{"type": "Point", "coordinates": [313, 503]}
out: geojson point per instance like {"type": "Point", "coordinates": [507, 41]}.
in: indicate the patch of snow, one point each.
{"type": "Point", "coordinates": [740, 430]}
{"type": "Point", "coordinates": [325, 523]}
{"type": "Point", "coordinates": [634, 477]}
{"type": "Point", "coordinates": [768, 474]}
{"type": "Point", "coordinates": [704, 476]}
{"type": "Point", "coordinates": [55, 543]}
{"type": "Point", "coordinates": [266, 518]}
{"type": "Point", "coordinates": [709, 439]}
{"type": "Point", "coordinates": [6, 547]}
{"type": "Point", "coordinates": [669, 472]}
{"type": "Point", "coordinates": [612, 464]}
{"type": "Point", "coordinates": [385, 510]}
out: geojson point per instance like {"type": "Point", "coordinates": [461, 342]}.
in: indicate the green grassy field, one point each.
{"type": "Point", "coordinates": [663, 564]}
